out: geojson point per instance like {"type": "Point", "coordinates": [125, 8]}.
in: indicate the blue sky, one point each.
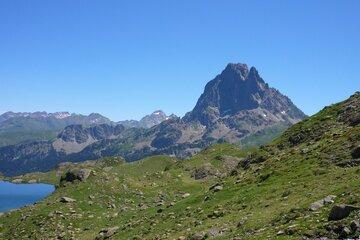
{"type": "Point", "coordinates": [125, 59]}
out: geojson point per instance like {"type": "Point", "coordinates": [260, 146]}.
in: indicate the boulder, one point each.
{"type": "Point", "coordinates": [213, 232]}
{"type": "Point", "coordinates": [66, 200]}
{"type": "Point", "coordinates": [76, 174]}
{"type": "Point", "coordinates": [198, 236]}
{"type": "Point", "coordinates": [216, 188]}
{"type": "Point", "coordinates": [342, 211]}
{"type": "Point", "coordinates": [107, 233]}
{"type": "Point", "coordinates": [319, 204]}
{"type": "Point", "coordinates": [185, 195]}
{"type": "Point", "coordinates": [203, 172]}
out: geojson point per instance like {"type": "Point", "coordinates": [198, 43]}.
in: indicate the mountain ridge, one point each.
{"type": "Point", "coordinates": [17, 127]}
{"type": "Point", "coordinates": [222, 114]}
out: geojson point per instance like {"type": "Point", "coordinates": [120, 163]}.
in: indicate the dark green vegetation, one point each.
{"type": "Point", "coordinates": [264, 136]}
{"type": "Point", "coordinates": [221, 193]}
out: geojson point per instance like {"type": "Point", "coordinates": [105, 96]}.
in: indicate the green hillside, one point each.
{"type": "Point", "coordinates": [221, 193]}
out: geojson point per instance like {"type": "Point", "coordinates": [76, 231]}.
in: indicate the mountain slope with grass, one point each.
{"type": "Point", "coordinates": [283, 190]}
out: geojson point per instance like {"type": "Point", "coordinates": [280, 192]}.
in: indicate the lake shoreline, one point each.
{"type": "Point", "coordinates": [16, 195]}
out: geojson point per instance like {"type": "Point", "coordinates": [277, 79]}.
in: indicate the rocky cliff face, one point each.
{"type": "Point", "coordinates": [238, 89]}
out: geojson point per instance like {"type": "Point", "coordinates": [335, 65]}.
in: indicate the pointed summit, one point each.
{"type": "Point", "coordinates": [239, 89]}
{"type": "Point", "coordinates": [236, 70]}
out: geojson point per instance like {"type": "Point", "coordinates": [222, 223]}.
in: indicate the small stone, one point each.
{"type": "Point", "coordinates": [355, 226]}
{"type": "Point", "coordinates": [185, 195]}
{"type": "Point", "coordinates": [107, 233]}
{"type": "Point", "coordinates": [198, 236]}
{"type": "Point", "coordinates": [217, 187]}
{"type": "Point", "coordinates": [66, 200]}
{"type": "Point", "coordinates": [345, 232]}
{"type": "Point", "coordinates": [329, 199]}
{"type": "Point", "coordinates": [319, 204]}
{"type": "Point", "coordinates": [316, 205]}
{"type": "Point", "coordinates": [213, 232]}
{"type": "Point", "coordinates": [241, 223]}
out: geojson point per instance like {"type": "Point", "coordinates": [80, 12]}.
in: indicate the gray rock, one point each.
{"type": "Point", "coordinates": [316, 205]}
{"type": "Point", "coordinates": [198, 236]}
{"type": "Point", "coordinates": [66, 200]}
{"type": "Point", "coordinates": [185, 195]}
{"type": "Point", "coordinates": [345, 232]}
{"type": "Point", "coordinates": [107, 233]}
{"type": "Point", "coordinates": [213, 232]}
{"type": "Point", "coordinates": [342, 211]}
{"type": "Point", "coordinates": [355, 226]}
{"type": "Point", "coordinates": [329, 199]}
{"type": "Point", "coordinates": [216, 188]}
{"type": "Point", "coordinates": [319, 204]}
{"type": "Point", "coordinates": [76, 174]}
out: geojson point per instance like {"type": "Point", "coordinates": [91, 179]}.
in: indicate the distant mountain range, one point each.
{"type": "Point", "coordinates": [236, 105]}
{"type": "Point", "coordinates": [31, 126]}
{"type": "Point", "coordinates": [148, 121]}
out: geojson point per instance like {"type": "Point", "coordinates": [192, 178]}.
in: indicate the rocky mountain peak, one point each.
{"type": "Point", "coordinates": [239, 89]}
{"type": "Point", "coordinates": [236, 69]}
{"type": "Point", "coordinates": [159, 113]}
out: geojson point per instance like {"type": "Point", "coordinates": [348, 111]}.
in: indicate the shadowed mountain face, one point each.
{"type": "Point", "coordinates": [236, 105]}
{"type": "Point", "coordinates": [239, 89]}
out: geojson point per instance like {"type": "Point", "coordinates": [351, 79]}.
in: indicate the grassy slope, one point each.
{"type": "Point", "coordinates": [272, 194]}
{"type": "Point", "coordinates": [264, 136]}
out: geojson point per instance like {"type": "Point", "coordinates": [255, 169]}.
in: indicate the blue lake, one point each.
{"type": "Point", "coordinates": [14, 196]}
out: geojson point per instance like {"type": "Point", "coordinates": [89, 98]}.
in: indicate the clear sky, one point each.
{"type": "Point", "coordinates": [125, 59]}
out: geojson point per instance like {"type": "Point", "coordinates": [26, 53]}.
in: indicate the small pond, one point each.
{"type": "Point", "coordinates": [14, 196]}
